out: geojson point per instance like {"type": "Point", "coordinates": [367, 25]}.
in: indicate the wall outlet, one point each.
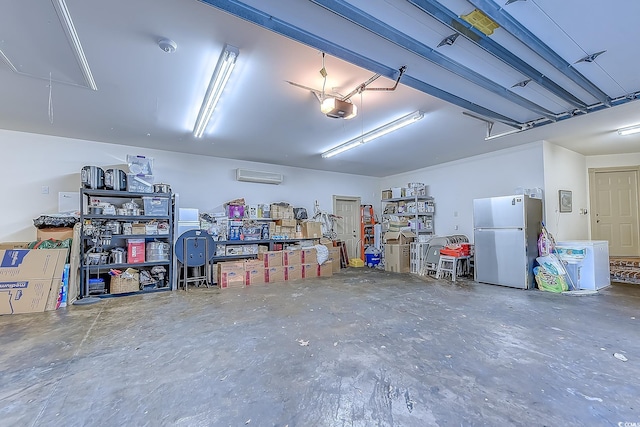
{"type": "Point", "coordinates": [455, 227]}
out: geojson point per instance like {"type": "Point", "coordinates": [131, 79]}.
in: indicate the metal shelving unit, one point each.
{"type": "Point", "coordinates": [96, 236]}
{"type": "Point", "coordinates": [270, 242]}
{"type": "Point", "coordinates": [425, 218]}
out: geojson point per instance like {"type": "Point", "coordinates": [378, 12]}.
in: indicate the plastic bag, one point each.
{"type": "Point", "coordinates": [55, 220]}
{"type": "Point", "coordinates": [300, 213]}
{"type": "Point", "coordinates": [322, 253]}
{"type": "Point", "coordinates": [549, 282]}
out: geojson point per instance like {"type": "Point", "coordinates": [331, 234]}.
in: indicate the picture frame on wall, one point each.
{"type": "Point", "coordinates": [565, 200]}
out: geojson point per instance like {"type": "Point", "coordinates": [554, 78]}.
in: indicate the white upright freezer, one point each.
{"type": "Point", "coordinates": [593, 271]}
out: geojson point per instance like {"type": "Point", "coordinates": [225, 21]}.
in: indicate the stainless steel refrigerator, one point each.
{"type": "Point", "coordinates": [505, 234]}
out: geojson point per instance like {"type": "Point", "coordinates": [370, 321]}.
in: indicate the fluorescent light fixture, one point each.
{"type": "Point", "coordinates": [74, 40]}
{"type": "Point", "coordinates": [219, 79]}
{"type": "Point", "coordinates": [376, 133]}
{"type": "Point", "coordinates": [630, 130]}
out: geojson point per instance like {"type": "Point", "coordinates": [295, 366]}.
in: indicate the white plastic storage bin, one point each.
{"type": "Point", "coordinates": [139, 183]}
{"type": "Point", "coordinates": [156, 206]}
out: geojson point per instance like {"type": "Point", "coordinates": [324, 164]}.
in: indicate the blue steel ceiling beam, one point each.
{"type": "Point", "coordinates": [448, 18]}
{"type": "Point", "coordinates": [250, 14]}
{"type": "Point", "coordinates": [385, 31]}
{"type": "Point", "coordinates": [506, 21]}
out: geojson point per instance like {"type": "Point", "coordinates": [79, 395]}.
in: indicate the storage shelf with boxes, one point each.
{"type": "Point", "coordinates": [126, 242]}
{"type": "Point", "coordinates": [408, 216]}
{"type": "Point", "coordinates": [244, 233]}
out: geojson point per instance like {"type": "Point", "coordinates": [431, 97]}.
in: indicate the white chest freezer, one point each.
{"type": "Point", "coordinates": [593, 269]}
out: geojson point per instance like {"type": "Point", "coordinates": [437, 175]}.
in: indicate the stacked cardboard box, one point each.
{"type": "Point", "coordinates": [292, 259]}
{"type": "Point", "coordinates": [272, 262]}
{"type": "Point", "coordinates": [60, 233]}
{"type": "Point", "coordinates": [254, 272]}
{"type": "Point", "coordinates": [231, 274]}
{"type": "Point", "coordinates": [397, 251]}
{"type": "Point", "coordinates": [325, 269]}
{"type": "Point", "coordinates": [30, 279]}
{"type": "Point", "coordinates": [334, 257]}
{"type": "Point", "coordinates": [275, 266]}
{"type": "Point", "coordinates": [286, 227]}
{"type": "Point", "coordinates": [281, 212]}
{"type": "Point", "coordinates": [311, 229]}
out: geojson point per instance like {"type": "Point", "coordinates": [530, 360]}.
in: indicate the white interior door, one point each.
{"type": "Point", "coordinates": [614, 209]}
{"type": "Point", "coordinates": [348, 226]}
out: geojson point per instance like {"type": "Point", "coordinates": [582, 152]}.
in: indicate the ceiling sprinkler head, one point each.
{"type": "Point", "coordinates": [167, 45]}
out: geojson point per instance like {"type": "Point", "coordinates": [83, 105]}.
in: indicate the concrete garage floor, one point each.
{"type": "Point", "coordinates": [364, 348]}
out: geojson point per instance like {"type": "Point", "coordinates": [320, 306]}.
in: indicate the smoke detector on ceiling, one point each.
{"type": "Point", "coordinates": [167, 45]}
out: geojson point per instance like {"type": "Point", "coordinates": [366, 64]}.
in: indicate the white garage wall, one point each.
{"type": "Point", "coordinates": [565, 170]}
{"type": "Point", "coordinates": [613, 160]}
{"type": "Point", "coordinates": [31, 161]}
{"type": "Point", "coordinates": [454, 185]}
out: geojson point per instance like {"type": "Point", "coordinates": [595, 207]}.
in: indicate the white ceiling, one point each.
{"type": "Point", "coordinates": [149, 98]}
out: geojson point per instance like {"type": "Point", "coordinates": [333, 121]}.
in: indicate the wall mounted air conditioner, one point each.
{"type": "Point", "coordinates": [258, 176]}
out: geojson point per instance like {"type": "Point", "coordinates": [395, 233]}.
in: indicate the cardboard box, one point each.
{"type": "Point", "coordinates": [311, 229]}
{"type": "Point", "coordinates": [386, 194]}
{"type": "Point", "coordinates": [214, 273]}
{"type": "Point", "coordinates": [231, 274]}
{"type": "Point", "coordinates": [293, 272]}
{"type": "Point", "coordinates": [309, 256]}
{"type": "Point", "coordinates": [326, 269]}
{"type": "Point", "coordinates": [14, 245]}
{"type": "Point", "coordinates": [309, 270]}
{"type": "Point", "coordinates": [334, 257]}
{"type": "Point", "coordinates": [281, 212]}
{"type": "Point", "coordinates": [292, 257]}
{"type": "Point", "coordinates": [286, 222]}
{"type": "Point", "coordinates": [30, 279]}
{"type": "Point", "coordinates": [271, 258]}
{"type": "Point", "coordinates": [274, 274]}
{"type": "Point", "coordinates": [254, 272]}
{"type": "Point", "coordinates": [399, 237]}
{"type": "Point", "coordinates": [60, 233]}
{"type": "Point", "coordinates": [287, 232]}
{"type": "Point", "coordinates": [397, 258]}
{"type": "Point", "coordinates": [135, 251]}
{"type": "Point", "coordinates": [138, 229]}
